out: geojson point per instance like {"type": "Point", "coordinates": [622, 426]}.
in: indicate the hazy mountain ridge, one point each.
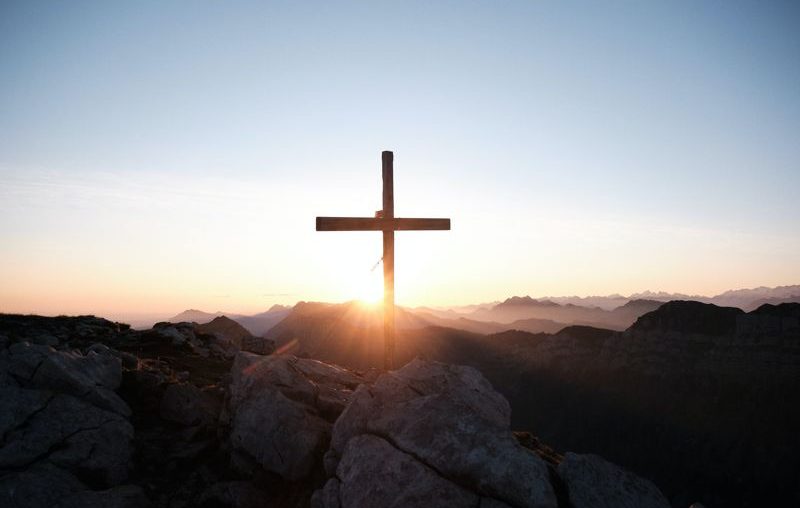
{"type": "Point", "coordinates": [546, 314]}
{"type": "Point", "coordinates": [614, 311]}
{"type": "Point", "coordinates": [516, 310]}
{"type": "Point", "coordinates": [195, 316]}
{"type": "Point", "coordinates": [256, 324]}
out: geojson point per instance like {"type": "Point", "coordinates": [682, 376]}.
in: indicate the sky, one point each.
{"type": "Point", "coordinates": [158, 156]}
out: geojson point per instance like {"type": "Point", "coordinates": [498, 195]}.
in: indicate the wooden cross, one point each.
{"type": "Point", "coordinates": [385, 221]}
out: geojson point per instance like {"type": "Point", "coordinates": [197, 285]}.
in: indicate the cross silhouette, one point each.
{"type": "Point", "coordinates": [385, 221]}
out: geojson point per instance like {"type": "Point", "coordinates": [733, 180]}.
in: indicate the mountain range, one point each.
{"type": "Point", "coordinates": [257, 324]}
{"type": "Point", "coordinates": [525, 313]}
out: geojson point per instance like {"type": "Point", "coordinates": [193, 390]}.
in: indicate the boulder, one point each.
{"type": "Point", "coordinates": [21, 359]}
{"type": "Point", "coordinates": [40, 486]}
{"type": "Point", "coordinates": [17, 405]}
{"type": "Point", "coordinates": [284, 436]}
{"type": "Point", "coordinates": [449, 422]}
{"type": "Point", "coordinates": [392, 478]}
{"type": "Point", "coordinates": [258, 345]}
{"type": "Point", "coordinates": [67, 432]}
{"type": "Point", "coordinates": [282, 409]}
{"type": "Point", "coordinates": [93, 377]}
{"type": "Point", "coordinates": [592, 482]}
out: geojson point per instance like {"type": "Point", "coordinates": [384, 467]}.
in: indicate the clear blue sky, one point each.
{"type": "Point", "coordinates": [174, 154]}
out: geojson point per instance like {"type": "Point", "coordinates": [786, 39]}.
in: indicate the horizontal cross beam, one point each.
{"type": "Point", "coordinates": [380, 224]}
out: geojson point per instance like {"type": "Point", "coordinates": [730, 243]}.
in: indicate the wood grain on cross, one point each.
{"type": "Point", "coordinates": [385, 221]}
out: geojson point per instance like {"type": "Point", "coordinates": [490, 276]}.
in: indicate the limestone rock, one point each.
{"type": "Point", "coordinates": [66, 431]}
{"type": "Point", "coordinates": [393, 478]}
{"type": "Point", "coordinates": [449, 420]}
{"type": "Point", "coordinates": [283, 436]}
{"type": "Point", "coordinates": [40, 486]}
{"type": "Point", "coordinates": [592, 482]}
{"type": "Point", "coordinates": [282, 409]}
{"type": "Point", "coordinates": [22, 359]}
{"type": "Point", "coordinates": [93, 377]}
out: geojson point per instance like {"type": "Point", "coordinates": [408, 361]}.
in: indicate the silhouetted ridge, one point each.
{"type": "Point", "coordinates": [782, 310]}
{"type": "Point", "coordinates": [225, 326]}
{"type": "Point", "coordinates": [525, 300]}
{"type": "Point", "coordinates": [690, 317]}
{"type": "Point", "coordinates": [517, 338]}
{"type": "Point", "coordinates": [586, 333]}
{"type": "Point", "coordinates": [641, 303]}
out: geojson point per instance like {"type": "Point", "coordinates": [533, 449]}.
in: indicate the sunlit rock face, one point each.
{"type": "Point", "coordinates": [444, 431]}
{"type": "Point", "coordinates": [282, 409]}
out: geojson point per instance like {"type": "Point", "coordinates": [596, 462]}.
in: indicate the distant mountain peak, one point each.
{"type": "Point", "coordinates": [526, 300]}
{"type": "Point", "coordinates": [640, 302]}
{"type": "Point", "coordinates": [194, 316]}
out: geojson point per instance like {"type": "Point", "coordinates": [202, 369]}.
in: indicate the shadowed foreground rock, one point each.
{"type": "Point", "coordinates": [283, 408]}
{"type": "Point", "coordinates": [592, 482]}
{"type": "Point", "coordinates": [63, 427]}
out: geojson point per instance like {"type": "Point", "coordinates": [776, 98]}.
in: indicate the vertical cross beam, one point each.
{"type": "Point", "coordinates": [387, 159]}
{"type": "Point", "coordinates": [387, 223]}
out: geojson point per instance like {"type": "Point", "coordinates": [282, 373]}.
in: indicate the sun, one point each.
{"type": "Point", "coordinates": [368, 287]}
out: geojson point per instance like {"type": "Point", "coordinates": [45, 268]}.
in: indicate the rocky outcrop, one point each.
{"type": "Point", "coordinates": [63, 427]}
{"type": "Point", "coordinates": [282, 409]}
{"type": "Point", "coordinates": [446, 428]}
{"type": "Point", "coordinates": [373, 472]}
{"type": "Point", "coordinates": [592, 482]}
{"type": "Point", "coordinates": [221, 338]}
{"type": "Point", "coordinates": [433, 434]}
{"type": "Point", "coordinates": [66, 421]}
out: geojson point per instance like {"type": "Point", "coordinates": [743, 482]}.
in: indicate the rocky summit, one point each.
{"type": "Point", "coordinates": [95, 414]}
